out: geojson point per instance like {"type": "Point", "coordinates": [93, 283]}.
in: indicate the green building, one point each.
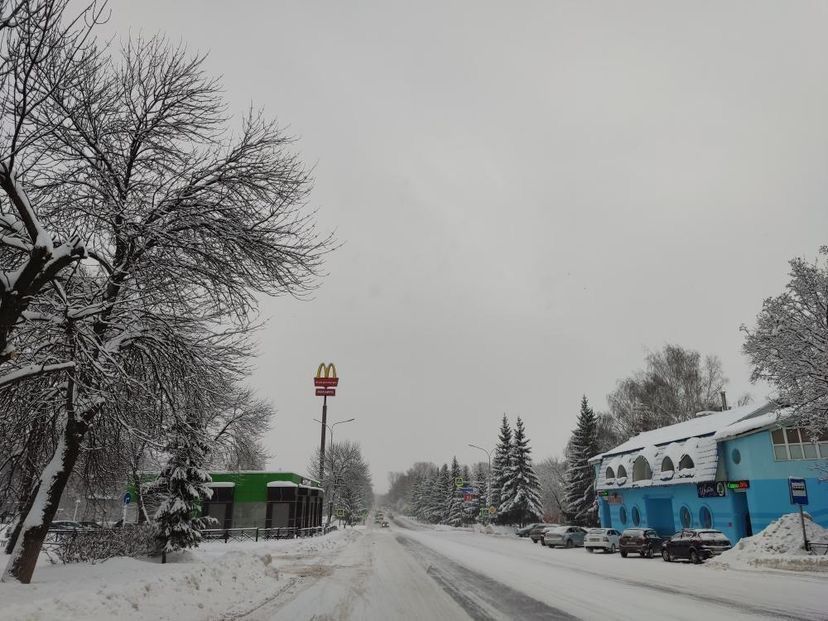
{"type": "Point", "coordinates": [257, 499]}
{"type": "Point", "coordinates": [252, 498]}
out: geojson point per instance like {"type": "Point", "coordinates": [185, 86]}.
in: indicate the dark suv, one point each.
{"type": "Point", "coordinates": [695, 545]}
{"type": "Point", "coordinates": [536, 534]}
{"type": "Point", "coordinates": [644, 541]}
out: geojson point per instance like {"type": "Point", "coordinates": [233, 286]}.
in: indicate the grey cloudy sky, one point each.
{"type": "Point", "coordinates": [530, 196]}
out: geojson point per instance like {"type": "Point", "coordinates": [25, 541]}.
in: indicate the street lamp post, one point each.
{"type": "Point", "coordinates": [322, 471]}
{"type": "Point", "coordinates": [489, 475]}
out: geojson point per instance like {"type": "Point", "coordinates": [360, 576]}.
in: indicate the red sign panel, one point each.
{"type": "Point", "coordinates": [325, 392]}
{"type": "Point", "coordinates": [325, 381]}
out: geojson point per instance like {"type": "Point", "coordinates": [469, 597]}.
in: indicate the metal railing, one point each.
{"type": "Point", "coordinates": [255, 534]}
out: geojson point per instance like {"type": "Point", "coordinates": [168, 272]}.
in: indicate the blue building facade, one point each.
{"type": "Point", "coordinates": [725, 470]}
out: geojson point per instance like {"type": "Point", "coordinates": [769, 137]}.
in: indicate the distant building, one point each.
{"type": "Point", "coordinates": [727, 470]}
{"type": "Point", "coordinates": [254, 498]}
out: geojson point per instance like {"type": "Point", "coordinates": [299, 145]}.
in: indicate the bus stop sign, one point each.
{"type": "Point", "coordinates": [798, 490]}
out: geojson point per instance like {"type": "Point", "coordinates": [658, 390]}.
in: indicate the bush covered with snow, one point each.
{"type": "Point", "coordinates": [97, 545]}
{"type": "Point", "coordinates": [779, 546]}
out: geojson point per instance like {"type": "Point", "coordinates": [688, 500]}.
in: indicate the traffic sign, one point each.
{"type": "Point", "coordinates": [459, 482]}
{"type": "Point", "coordinates": [127, 498]}
{"type": "Point", "coordinates": [325, 392]}
{"type": "Point", "coordinates": [798, 490]}
{"type": "Point", "coordinates": [492, 510]}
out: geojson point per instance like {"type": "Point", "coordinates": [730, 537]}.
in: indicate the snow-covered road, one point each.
{"type": "Point", "coordinates": [409, 572]}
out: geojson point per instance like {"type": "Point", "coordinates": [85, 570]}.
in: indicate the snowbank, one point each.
{"type": "Point", "coordinates": [228, 578]}
{"type": "Point", "coordinates": [779, 546]}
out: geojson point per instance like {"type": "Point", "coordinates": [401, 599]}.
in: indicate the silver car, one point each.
{"type": "Point", "coordinates": [605, 539]}
{"type": "Point", "coordinates": [566, 536]}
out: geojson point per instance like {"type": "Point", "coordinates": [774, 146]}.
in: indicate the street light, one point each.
{"type": "Point", "coordinates": [489, 473]}
{"type": "Point", "coordinates": [322, 473]}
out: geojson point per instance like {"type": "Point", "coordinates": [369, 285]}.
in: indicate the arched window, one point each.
{"type": "Point", "coordinates": [622, 514]}
{"type": "Point", "coordinates": [685, 517]}
{"type": "Point", "coordinates": [609, 475]}
{"type": "Point", "coordinates": [641, 469]}
{"type": "Point", "coordinates": [686, 463]}
{"type": "Point", "coordinates": [705, 517]}
{"type": "Point", "coordinates": [622, 474]}
{"type": "Point", "coordinates": [667, 465]}
{"type": "Point", "coordinates": [636, 516]}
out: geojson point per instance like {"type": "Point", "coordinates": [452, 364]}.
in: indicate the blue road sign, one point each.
{"type": "Point", "coordinates": [127, 498]}
{"type": "Point", "coordinates": [799, 491]}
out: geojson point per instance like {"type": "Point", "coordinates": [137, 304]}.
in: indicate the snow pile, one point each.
{"type": "Point", "coordinates": [779, 546]}
{"type": "Point", "coordinates": [217, 579]}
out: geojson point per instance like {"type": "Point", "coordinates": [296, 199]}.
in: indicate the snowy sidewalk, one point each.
{"type": "Point", "coordinates": [212, 582]}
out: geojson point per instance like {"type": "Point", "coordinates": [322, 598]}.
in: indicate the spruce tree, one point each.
{"type": "Point", "coordinates": [501, 465]}
{"type": "Point", "coordinates": [579, 493]}
{"type": "Point", "coordinates": [181, 488]}
{"type": "Point", "coordinates": [522, 488]}
{"type": "Point", "coordinates": [480, 481]}
{"type": "Point", "coordinates": [437, 495]}
{"type": "Point", "coordinates": [454, 513]}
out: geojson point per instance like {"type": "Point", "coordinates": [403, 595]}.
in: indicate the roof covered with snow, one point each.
{"type": "Point", "coordinates": [683, 453]}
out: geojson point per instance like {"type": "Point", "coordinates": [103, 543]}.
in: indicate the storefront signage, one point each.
{"type": "Point", "coordinates": [603, 492]}
{"type": "Point", "coordinates": [738, 485]}
{"type": "Point", "coordinates": [711, 489]}
{"type": "Point", "coordinates": [615, 499]}
{"type": "Point", "coordinates": [798, 490]}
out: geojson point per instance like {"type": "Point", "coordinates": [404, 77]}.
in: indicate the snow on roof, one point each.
{"type": "Point", "coordinates": [705, 423]}
{"type": "Point", "coordinates": [691, 447]}
{"type": "Point", "coordinates": [221, 484]}
{"type": "Point", "coordinates": [752, 423]}
{"type": "Point", "coordinates": [281, 484]}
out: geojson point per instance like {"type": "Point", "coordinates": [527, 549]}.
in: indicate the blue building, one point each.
{"type": "Point", "coordinates": [726, 470]}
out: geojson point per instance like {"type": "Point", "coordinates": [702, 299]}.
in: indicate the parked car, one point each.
{"type": "Point", "coordinates": [65, 525]}
{"type": "Point", "coordinates": [566, 536]}
{"type": "Point", "coordinates": [536, 534]}
{"type": "Point", "coordinates": [524, 532]}
{"type": "Point", "coordinates": [605, 539]}
{"type": "Point", "coordinates": [695, 545]}
{"type": "Point", "coordinates": [644, 541]}
{"type": "Point", "coordinates": [90, 525]}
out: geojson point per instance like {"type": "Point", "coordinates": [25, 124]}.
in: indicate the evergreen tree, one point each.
{"type": "Point", "coordinates": [501, 464]}
{"type": "Point", "coordinates": [437, 495]}
{"type": "Point", "coordinates": [579, 494]}
{"type": "Point", "coordinates": [181, 487]}
{"type": "Point", "coordinates": [454, 514]}
{"type": "Point", "coordinates": [522, 488]}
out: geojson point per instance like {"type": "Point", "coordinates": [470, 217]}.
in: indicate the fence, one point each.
{"type": "Point", "coordinates": [255, 534]}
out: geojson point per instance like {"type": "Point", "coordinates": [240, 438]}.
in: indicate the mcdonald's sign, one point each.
{"type": "Point", "coordinates": [326, 380]}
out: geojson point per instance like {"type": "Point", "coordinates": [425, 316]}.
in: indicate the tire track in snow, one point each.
{"type": "Point", "coordinates": [483, 598]}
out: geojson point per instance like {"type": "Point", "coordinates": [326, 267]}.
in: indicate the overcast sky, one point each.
{"type": "Point", "coordinates": [530, 196]}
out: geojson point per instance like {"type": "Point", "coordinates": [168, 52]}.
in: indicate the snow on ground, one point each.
{"type": "Point", "coordinates": [201, 584]}
{"type": "Point", "coordinates": [778, 546]}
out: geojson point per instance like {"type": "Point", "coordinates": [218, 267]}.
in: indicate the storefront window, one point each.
{"type": "Point", "coordinates": [705, 518]}
{"type": "Point", "coordinates": [684, 516]}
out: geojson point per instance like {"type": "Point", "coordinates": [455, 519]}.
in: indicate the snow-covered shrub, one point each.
{"type": "Point", "coordinates": [88, 546]}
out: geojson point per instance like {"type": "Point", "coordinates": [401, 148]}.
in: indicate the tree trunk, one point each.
{"type": "Point", "coordinates": [35, 521]}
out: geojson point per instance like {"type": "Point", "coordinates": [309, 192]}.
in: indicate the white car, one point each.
{"type": "Point", "coordinates": [605, 539]}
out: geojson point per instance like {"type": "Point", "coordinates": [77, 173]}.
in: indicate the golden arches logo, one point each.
{"type": "Point", "coordinates": [326, 370]}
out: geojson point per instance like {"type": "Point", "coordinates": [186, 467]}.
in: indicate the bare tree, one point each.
{"type": "Point", "coordinates": [183, 227]}
{"type": "Point", "coordinates": [789, 345]}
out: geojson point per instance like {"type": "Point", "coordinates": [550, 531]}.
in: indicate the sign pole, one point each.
{"type": "Point", "coordinates": [804, 533]}
{"type": "Point", "coordinates": [322, 441]}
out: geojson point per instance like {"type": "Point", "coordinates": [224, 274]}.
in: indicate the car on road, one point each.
{"type": "Point", "coordinates": [524, 532]}
{"type": "Point", "coordinates": [536, 534]}
{"type": "Point", "coordinates": [385, 525]}
{"type": "Point", "coordinates": [65, 525]}
{"type": "Point", "coordinates": [605, 539]}
{"type": "Point", "coordinates": [564, 536]}
{"type": "Point", "coordinates": [695, 545]}
{"type": "Point", "coordinates": [644, 541]}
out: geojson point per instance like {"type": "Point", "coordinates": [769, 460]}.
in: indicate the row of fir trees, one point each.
{"type": "Point", "coordinates": [509, 494]}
